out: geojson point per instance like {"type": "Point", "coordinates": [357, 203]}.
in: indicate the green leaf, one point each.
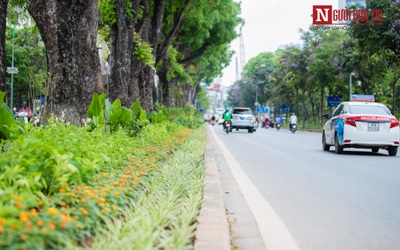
{"type": "Point", "coordinates": [95, 108]}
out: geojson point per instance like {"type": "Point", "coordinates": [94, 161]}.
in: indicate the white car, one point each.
{"type": "Point", "coordinates": [361, 124]}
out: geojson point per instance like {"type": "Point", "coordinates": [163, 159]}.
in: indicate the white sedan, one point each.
{"type": "Point", "coordinates": [359, 124]}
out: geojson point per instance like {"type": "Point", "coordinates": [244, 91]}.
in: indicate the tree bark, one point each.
{"type": "Point", "coordinates": [3, 15]}
{"type": "Point", "coordinates": [122, 47]}
{"type": "Point", "coordinates": [69, 31]}
{"type": "Point", "coordinates": [163, 83]}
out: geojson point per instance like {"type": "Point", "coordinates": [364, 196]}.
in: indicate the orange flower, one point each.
{"type": "Point", "coordinates": [104, 174]}
{"type": "Point", "coordinates": [24, 217]}
{"type": "Point", "coordinates": [3, 221]}
{"type": "Point", "coordinates": [80, 226]}
{"type": "Point", "coordinates": [84, 211]}
{"type": "Point", "coordinates": [52, 211]}
{"type": "Point", "coordinates": [39, 223]}
{"type": "Point", "coordinates": [52, 226]}
{"type": "Point", "coordinates": [65, 218]}
{"type": "Point", "coordinates": [62, 190]}
{"type": "Point", "coordinates": [19, 204]}
{"type": "Point", "coordinates": [63, 226]}
{"type": "Point", "coordinates": [23, 237]}
{"type": "Point", "coordinates": [66, 184]}
{"type": "Point", "coordinates": [44, 230]}
{"type": "Point", "coordinates": [34, 211]}
{"type": "Point", "coordinates": [1, 229]}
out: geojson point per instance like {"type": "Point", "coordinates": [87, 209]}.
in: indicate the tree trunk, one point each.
{"type": "Point", "coordinates": [69, 31]}
{"type": "Point", "coordinates": [3, 15]}
{"type": "Point", "coordinates": [122, 47]}
{"type": "Point", "coordinates": [163, 84]}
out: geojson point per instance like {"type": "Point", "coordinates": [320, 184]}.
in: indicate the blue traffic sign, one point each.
{"type": "Point", "coordinates": [334, 101]}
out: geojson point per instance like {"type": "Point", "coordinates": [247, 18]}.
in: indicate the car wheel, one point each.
{"type": "Point", "coordinates": [375, 150]}
{"type": "Point", "coordinates": [237, 129]}
{"type": "Point", "coordinates": [392, 150]}
{"type": "Point", "coordinates": [325, 146]}
{"type": "Point", "coordinates": [338, 148]}
{"type": "Point", "coordinates": [251, 130]}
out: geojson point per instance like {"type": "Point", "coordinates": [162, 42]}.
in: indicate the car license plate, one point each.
{"type": "Point", "coordinates": [373, 126]}
{"type": "Point", "coordinates": [241, 118]}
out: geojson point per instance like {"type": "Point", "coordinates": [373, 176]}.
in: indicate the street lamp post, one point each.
{"type": "Point", "coordinates": [351, 85]}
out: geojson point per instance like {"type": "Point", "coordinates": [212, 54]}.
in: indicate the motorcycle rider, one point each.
{"type": "Point", "coordinates": [292, 120]}
{"type": "Point", "coordinates": [227, 116]}
{"type": "Point", "coordinates": [278, 120]}
{"type": "Point", "coordinates": [14, 113]}
{"type": "Point", "coordinates": [266, 121]}
{"type": "Point", "coordinates": [213, 119]}
{"type": "Point", "coordinates": [36, 115]}
{"type": "Point", "coordinates": [26, 109]}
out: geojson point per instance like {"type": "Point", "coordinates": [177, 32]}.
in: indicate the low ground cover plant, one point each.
{"type": "Point", "coordinates": [61, 182]}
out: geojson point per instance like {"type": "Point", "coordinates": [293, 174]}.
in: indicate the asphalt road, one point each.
{"type": "Point", "coordinates": [321, 200]}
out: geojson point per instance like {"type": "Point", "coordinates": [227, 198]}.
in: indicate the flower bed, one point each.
{"type": "Point", "coordinates": [60, 184]}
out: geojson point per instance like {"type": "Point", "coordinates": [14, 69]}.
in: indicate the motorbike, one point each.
{"type": "Point", "coordinates": [23, 116]}
{"type": "Point", "coordinates": [293, 128]}
{"type": "Point", "coordinates": [228, 126]}
{"type": "Point", "coordinates": [278, 126]}
{"type": "Point", "coordinates": [36, 120]}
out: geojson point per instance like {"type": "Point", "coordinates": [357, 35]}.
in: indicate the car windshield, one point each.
{"type": "Point", "coordinates": [369, 109]}
{"type": "Point", "coordinates": [242, 111]}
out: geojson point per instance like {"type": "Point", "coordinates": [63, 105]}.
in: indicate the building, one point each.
{"type": "Point", "coordinates": [347, 3]}
{"type": "Point", "coordinates": [215, 94]}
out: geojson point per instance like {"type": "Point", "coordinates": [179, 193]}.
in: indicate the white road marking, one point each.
{"type": "Point", "coordinates": [275, 234]}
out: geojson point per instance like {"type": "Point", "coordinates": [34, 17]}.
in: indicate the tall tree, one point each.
{"type": "Point", "coordinates": [201, 45]}
{"type": "Point", "coordinates": [120, 17]}
{"type": "Point", "coordinates": [69, 31]}
{"type": "Point", "coordinates": [3, 24]}
{"type": "Point", "coordinates": [381, 33]}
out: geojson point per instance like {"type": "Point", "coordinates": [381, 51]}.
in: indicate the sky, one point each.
{"type": "Point", "coordinates": [270, 24]}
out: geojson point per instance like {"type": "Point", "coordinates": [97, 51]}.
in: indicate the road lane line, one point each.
{"type": "Point", "coordinates": [275, 234]}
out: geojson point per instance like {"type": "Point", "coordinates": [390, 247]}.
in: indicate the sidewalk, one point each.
{"type": "Point", "coordinates": [225, 220]}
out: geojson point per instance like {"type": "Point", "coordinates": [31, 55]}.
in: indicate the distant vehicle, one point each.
{"type": "Point", "coordinates": [361, 124]}
{"type": "Point", "coordinates": [243, 118]}
{"type": "Point", "coordinates": [207, 117]}
{"type": "Point", "coordinates": [219, 112]}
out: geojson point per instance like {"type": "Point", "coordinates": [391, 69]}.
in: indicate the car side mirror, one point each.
{"type": "Point", "coordinates": [326, 116]}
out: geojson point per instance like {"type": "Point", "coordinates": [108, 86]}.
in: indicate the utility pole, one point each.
{"type": "Point", "coordinates": [242, 58]}
{"type": "Point", "coordinates": [237, 70]}
{"type": "Point", "coordinates": [11, 70]}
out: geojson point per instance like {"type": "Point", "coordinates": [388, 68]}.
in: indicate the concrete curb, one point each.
{"type": "Point", "coordinates": [212, 230]}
